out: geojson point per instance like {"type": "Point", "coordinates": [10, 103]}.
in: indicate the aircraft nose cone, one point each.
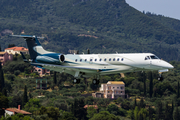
{"type": "Point", "coordinates": [169, 66]}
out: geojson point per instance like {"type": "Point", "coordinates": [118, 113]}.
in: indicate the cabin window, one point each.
{"type": "Point", "coordinates": [122, 59]}
{"type": "Point", "coordinates": [95, 60]}
{"type": "Point", "coordinates": [109, 59]}
{"type": "Point", "coordinates": [80, 60]}
{"type": "Point", "coordinates": [85, 60]}
{"type": "Point", "coordinates": [100, 59]}
{"type": "Point", "coordinates": [90, 59]}
{"type": "Point", "coordinates": [76, 60]}
{"type": "Point", "coordinates": [105, 59]}
{"type": "Point", "coordinates": [118, 59]}
{"type": "Point", "coordinates": [114, 59]}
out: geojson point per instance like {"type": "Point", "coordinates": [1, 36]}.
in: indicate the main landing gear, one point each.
{"type": "Point", "coordinates": [76, 78]}
{"type": "Point", "coordinates": [95, 81]}
{"type": "Point", "coordinates": [78, 75]}
{"type": "Point", "coordinates": [76, 81]}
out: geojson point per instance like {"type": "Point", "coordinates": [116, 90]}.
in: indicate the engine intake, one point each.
{"type": "Point", "coordinates": [62, 58]}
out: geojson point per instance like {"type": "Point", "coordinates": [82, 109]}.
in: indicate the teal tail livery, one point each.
{"type": "Point", "coordinates": [87, 65]}
{"type": "Point", "coordinates": [38, 54]}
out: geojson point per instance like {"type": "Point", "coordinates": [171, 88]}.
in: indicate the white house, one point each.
{"type": "Point", "coordinates": [113, 89]}
{"type": "Point", "coordinates": [16, 50]}
{"type": "Point", "coordinates": [13, 111]}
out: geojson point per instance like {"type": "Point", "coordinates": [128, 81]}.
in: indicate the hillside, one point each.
{"type": "Point", "coordinates": [68, 25]}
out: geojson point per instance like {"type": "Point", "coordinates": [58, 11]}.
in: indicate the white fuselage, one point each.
{"type": "Point", "coordinates": [103, 64]}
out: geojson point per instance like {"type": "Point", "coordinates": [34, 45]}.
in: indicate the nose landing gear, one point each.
{"type": "Point", "coordinates": [160, 78]}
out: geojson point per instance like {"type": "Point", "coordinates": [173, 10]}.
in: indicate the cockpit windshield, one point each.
{"type": "Point", "coordinates": [147, 58]}
{"type": "Point", "coordinates": [151, 57]}
{"type": "Point", "coordinates": [154, 57]}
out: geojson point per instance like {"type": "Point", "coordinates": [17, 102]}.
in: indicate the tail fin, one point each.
{"type": "Point", "coordinates": [34, 46]}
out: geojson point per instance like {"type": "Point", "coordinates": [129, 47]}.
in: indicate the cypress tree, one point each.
{"type": "Point", "coordinates": [25, 97]}
{"type": "Point", "coordinates": [144, 79]}
{"type": "Point", "coordinates": [150, 113]}
{"type": "Point", "coordinates": [4, 92]}
{"type": "Point", "coordinates": [159, 110]}
{"type": "Point", "coordinates": [135, 103]}
{"type": "Point", "coordinates": [172, 109]}
{"type": "Point", "coordinates": [30, 96]}
{"type": "Point", "coordinates": [178, 90]}
{"type": "Point", "coordinates": [54, 78]}
{"type": "Point", "coordinates": [1, 78]}
{"type": "Point", "coordinates": [176, 115]}
{"type": "Point", "coordinates": [141, 104]}
{"type": "Point", "coordinates": [167, 112]}
{"type": "Point", "coordinates": [151, 85]}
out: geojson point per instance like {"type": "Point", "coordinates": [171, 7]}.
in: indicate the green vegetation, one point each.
{"type": "Point", "coordinates": [102, 26]}
{"type": "Point", "coordinates": [112, 25]}
{"type": "Point", "coordinates": [65, 100]}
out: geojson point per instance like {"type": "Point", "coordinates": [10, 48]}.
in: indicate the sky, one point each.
{"type": "Point", "coordinates": [168, 8]}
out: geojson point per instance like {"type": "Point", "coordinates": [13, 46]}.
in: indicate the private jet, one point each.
{"type": "Point", "coordinates": [88, 65]}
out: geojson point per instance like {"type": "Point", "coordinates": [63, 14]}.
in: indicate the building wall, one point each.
{"type": "Point", "coordinates": [8, 113]}
{"type": "Point", "coordinates": [10, 51]}
{"type": "Point", "coordinates": [41, 71]}
{"type": "Point", "coordinates": [5, 57]}
{"type": "Point", "coordinates": [16, 50]}
{"type": "Point", "coordinates": [10, 57]}
{"type": "Point", "coordinates": [113, 90]}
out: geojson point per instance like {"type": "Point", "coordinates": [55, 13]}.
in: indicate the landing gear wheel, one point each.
{"type": "Point", "coordinates": [76, 81]}
{"type": "Point", "coordinates": [160, 78]}
{"type": "Point", "coordinates": [95, 81]}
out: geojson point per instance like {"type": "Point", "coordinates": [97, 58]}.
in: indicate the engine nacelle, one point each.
{"type": "Point", "coordinates": [51, 58]}
{"type": "Point", "coordinates": [61, 58]}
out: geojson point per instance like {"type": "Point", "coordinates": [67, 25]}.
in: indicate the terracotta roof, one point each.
{"type": "Point", "coordinates": [18, 111]}
{"type": "Point", "coordinates": [17, 49]}
{"type": "Point", "coordinates": [94, 106]}
{"type": "Point", "coordinates": [2, 53]}
{"type": "Point", "coordinates": [116, 82]}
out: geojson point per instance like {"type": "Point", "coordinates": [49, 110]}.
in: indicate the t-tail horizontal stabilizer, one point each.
{"type": "Point", "coordinates": [26, 36]}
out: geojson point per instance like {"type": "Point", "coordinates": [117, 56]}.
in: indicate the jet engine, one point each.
{"type": "Point", "coordinates": [51, 58]}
